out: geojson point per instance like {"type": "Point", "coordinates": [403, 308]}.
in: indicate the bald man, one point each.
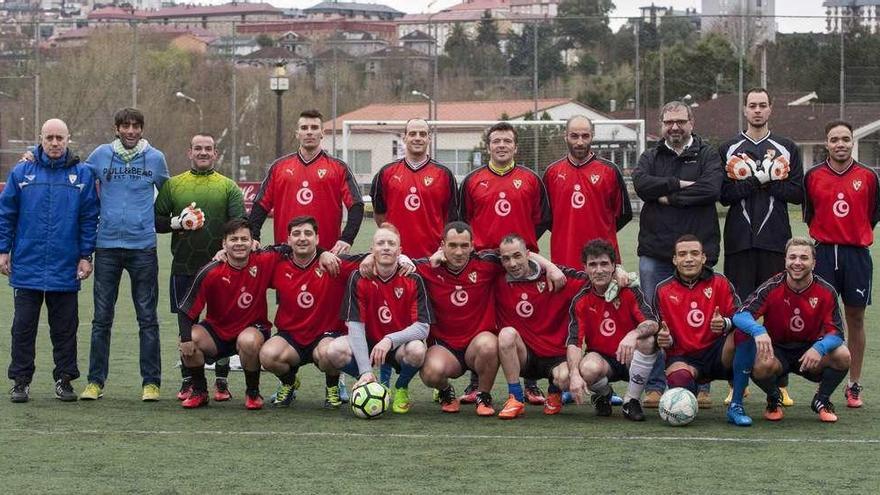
{"type": "Point", "coordinates": [48, 225]}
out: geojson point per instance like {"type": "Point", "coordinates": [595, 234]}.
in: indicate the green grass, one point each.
{"type": "Point", "coordinates": [119, 444]}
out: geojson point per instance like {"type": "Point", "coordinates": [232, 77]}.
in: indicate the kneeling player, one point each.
{"type": "Point", "coordinates": [234, 292]}
{"type": "Point", "coordinates": [694, 307]}
{"type": "Point", "coordinates": [802, 333]}
{"type": "Point", "coordinates": [387, 319]}
{"type": "Point", "coordinates": [613, 353]}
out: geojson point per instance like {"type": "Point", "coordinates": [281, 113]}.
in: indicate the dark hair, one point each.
{"type": "Point", "coordinates": [596, 248]}
{"type": "Point", "coordinates": [513, 237]}
{"type": "Point", "coordinates": [459, 227]}
{"type": "Point", "coordinates": [688, 238]}
{"type": "Point", "coordinates": [837, 123]}
{"type": "Point", "coordinates": [301, 220]}
{"type": "Point", "coordinates": [501, 126]}
{"type": "Point", "coordinates": [311, 114]}
{"type": "Point", "coordinates": [757, 90]}
{"type": "Point", "coordinates": [235, 225]}
{"type": "Point", "coordinates": [127, 115]}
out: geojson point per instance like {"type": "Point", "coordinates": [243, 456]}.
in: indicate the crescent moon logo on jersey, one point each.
{"type": "Point", "coordinates": [577, 198]}
{"type": "Point", "coordinates": [322, 172]}
{"type": "Point", "coordinates": [695, 317]}
{"type": "Point", "coordinates": [524, 308]}
{"type": "Point", "coordinates": [857, 184]}
{"type": "Point", "coordinates": [594, 178]}
{"type": "Point", "coordinates": [608, 326]}
{"type": "Point", "coordinates": [541, 286]}
{"type": "Point", "coordinates": [796, 324]}
{"type": "Point", "coordinates": [244, 300]}
{"type": "Point", "coordinates": [412, 202]}
{"type": "Point", "coordinates": [840, 207]}
{"type": "Point", "coordinates": [253, 271]}
{"type": "Point", "coordinates": [398, 292]}
{"type": "Point", "coordinates": [428, 181]}
{"type": "Point", "coordinates": [502, 206]}
{"type": "Point", "coordinates": [813, 302]}
{"type": "Point", "coordinates": [305, 299]}
{"type": "Point", "coordinates": [459, 297]}
{"type": "Point", "coordinates": [384, 314]}
{"type": "Point", "coordinates": [708, 292]}
{"type": "Point", "coordinates": [472, 276]}
{"type": "Point", "coordinates": [304, 196]}
{"type": "Point", "coordinates": [517, 183]}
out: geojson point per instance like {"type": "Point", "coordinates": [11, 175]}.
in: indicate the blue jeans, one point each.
{"type": "Point", "coordinates": [142, 266]}
{"type": "Point", "coordinates": [652, 271]}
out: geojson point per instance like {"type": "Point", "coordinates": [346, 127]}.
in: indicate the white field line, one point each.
{"type": "Point", "coordinates": [426, 436]}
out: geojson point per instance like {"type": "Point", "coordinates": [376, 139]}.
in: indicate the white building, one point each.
{"type": "Point", "coordinates": [761, 15]}
{"type": "Point", "coordinates": [846, 14]}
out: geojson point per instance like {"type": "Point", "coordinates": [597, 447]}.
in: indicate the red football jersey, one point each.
{"type": "Point", "coordinates": [537, 313]}
{"type": "Point", "coordinates": [687, 310]}
{"type": "Point", "coordinates": [418, 201]}
{"type": "Point", "coordinates": [464, 301]}
{"type": "Point", "coordinates": [587, 202]}
{"type": "Point", "coordinates": [604, 324]}
{"type": "Point", "coordinates": [236, 298]}
{"type": "Point", "coordinates": [319, 188]}
{"type": "Point", "coordinates": [842, 208]}
{"type": "Point", "coordinates": [309, 298]}
{"type": "Point", "coordinates": [791, 316]}
{"type": "Point", "coordinates": [496, 205]}
{"type": "Point", "coordinates": [386, 306]}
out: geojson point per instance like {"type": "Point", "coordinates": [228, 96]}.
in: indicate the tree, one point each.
{"type": "Point", "coordinates": [520, 53]}
{"type": "Point", "coordinates": [487, 32]}
{"type": "Point", "coordinates": [458, 50]}
{"type": "Point", "coordinates": [585, 22]}
{"type": "Point", "coordinates": [265, 41]}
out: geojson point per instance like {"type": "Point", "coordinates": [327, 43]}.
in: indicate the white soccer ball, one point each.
{"type": "Point", "coordinates": [678, 406]}
{"type": "Point", "coordinates": [370, 400]}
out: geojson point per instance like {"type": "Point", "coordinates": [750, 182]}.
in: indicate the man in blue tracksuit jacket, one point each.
{"type": "Point", "coordinates": [48, 218]}
{"type": "Point", "coordinates": [129, 171]}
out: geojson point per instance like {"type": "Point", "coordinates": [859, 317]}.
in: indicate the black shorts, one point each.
{"type": "Point", "coordinates": [748, 269]}
{"type": "Point", "coordinates": [708, 363]}
{"type": "Point", "coordinates": [789, 355]}
{"type": "Point", "coordinates": [618, 372]}
{"type": "Point", "coordinates": [227, 348]}
{"type": "Point", "coordinates": [537, 367]}
{"type": "Point", "coordinates": [179, 285]}
{"type": "Point", "coordinates": [457, 354]}
{"type": "Point", "coordinates": [849, 270]}
{"type": "Point", "coordinates": [306, 353]}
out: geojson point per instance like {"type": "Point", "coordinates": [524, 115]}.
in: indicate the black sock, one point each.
{"type": "Point", "coordinates": [185, 372]}
{"type": "Point", "coordinates": [222, 370]}
{"type": "Point", "coordinates": [252, 380]}
{"type": "Point", "coordinates": [553, 389]}
{"type": "Point", "coordinates": [475, 379]}
{"type": "Point", "coordinates": [529, 383]}
{"type": "Point", "coordinates": [289, 377]}
{"type": "Point", "coordinates": [768, 385]}
{"type": "Point", "coordinates": [200, 384]}
{"type": "Point", "coordinates": [831, 378]}
{"type": "Point", "coordinates": [782, 381]}
{"type": "Point", "coordinates": [331, 380]}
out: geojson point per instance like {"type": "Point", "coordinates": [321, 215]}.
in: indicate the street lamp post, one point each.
{"type": "Point", "coordinates": [198, 107]}
{"type": "Point", "coordinates": [431, 115]}
{"type": "Point", "coordinates": [279, 83]}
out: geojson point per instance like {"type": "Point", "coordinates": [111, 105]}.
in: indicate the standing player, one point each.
{"type": "Point", "coordinates": [694, 307]}
{"type": "Point", "coordinates": [802, 333]}
{"type": "Point", "coordinates": [842, 208]}
{"type": "Point", "coordinates": [588, 197]}
{"type": "Point", "coordinates": [193, 243]}
{"type": "Point", "coordinates": [612, 355]}
{"type": "Point", "coordinates": [387, 319]}
{"type": "Point", "coordinates": [234, 292]}
{"type": "Point", "coordinates": [764, 176]}
{"type": "Point", "coordinates": [415, 193]}
{"type": "Point", "coordinates": [310, 182]}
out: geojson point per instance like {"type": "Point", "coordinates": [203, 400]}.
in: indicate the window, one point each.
{"type": "Point", "coordinates": [459, 161]}
{"type": "Point", "coordinates": [361, 162]}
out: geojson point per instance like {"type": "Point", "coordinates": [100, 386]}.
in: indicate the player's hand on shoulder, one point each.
{"type": "Point", "coordinates": [555, 278]}
{"type": "Point", "coordinates": [664, 337]}
{"type": "Point", "coordinates": [437, 259]}
{"type": "Point", "coordinates": [405, 265]}
{"type": "Point", "coordinates": [27, 156]}
{"type": "Point", "coordinates": [220, 256]}
{"type": "Point", "coordinates": [255, 245]}
{"type": "Point", "coordinates": [367, 267]}
{"type": "Point", "coordinates": [341, 247]}
{"type": "Point", "coordinates": [329, 262]}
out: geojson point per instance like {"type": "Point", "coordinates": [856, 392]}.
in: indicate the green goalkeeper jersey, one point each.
{"type": "Point", "coordinates": [219, 198]}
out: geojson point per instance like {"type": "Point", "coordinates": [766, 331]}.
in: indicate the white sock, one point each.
{"type": "Point", "coordinates": [601, 387]}
{"type": "Point", "coordinates": [639, 371]}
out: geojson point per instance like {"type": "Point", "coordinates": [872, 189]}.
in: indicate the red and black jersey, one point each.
{"type": "Point", "coordinates": [320, 187]}
{"type": "Point", "coordinates": [842, 208]}
{"type": "Point", "coordinates": [796, 316]}
{"type": "Point", "coordinates": [386, 306]}
{"type": "Point", "coordinates": [235, 297]}
{"type": "Point", "coordinates": [418, 200]}
{"type": "Point", "coordinates": [539, 315]}
{"type": "Point", "coordinates": [588, 201]}
{"type": "Point", "coordinates": [602, 324]}
{"type": "Point", "coordinates": [496, 205]}
{"type": "Point", "coordinates": [687, 310]}
{"type": "Point", "coordinates": [309, 298]}
{"type": "Point", "coordinates": [464, 301]}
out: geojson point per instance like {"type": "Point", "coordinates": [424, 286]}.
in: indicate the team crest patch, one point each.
{"type": "Point", "coordinates": [319, 272]}
{"type": "Point", "coordinates": [428, 181]}
{"type": "Point", "coordinates": [541, 287]}
{"type": "Point", "coordinates": [708, 292]}
{"type": "Point", "coordinates": [398, 292]}
{"type": "Point", "coordinates": [616, 303]}
{"type": "Point", "coordinates": [517, 183]}
{"type": "Point", "coordinates": [472, 276]}
{"type": "Point", "coordinates": [857, 184]}
{"type": "Point", "coordinates": [322, 172]}
{"type": "Point", "coordinates": [72, 178]}
{"type": "Point", "coordinates": [253, 271]}
{"type": "Point", "coordinates": [594, 178]}
{"type": "Point", "coordinates": [813, 302]}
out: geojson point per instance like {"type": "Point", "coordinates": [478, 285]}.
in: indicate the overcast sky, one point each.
{"type": "Point", "coordinates": [812, 11]}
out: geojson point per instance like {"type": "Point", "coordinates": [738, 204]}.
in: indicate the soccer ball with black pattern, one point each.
{"type": "Point", "coordinates": [678, 406]}
{"type": "Point", "coordinates": [370, 400]}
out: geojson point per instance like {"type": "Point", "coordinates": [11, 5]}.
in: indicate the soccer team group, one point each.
{"type": "Point", "coordinates": [453, 281]}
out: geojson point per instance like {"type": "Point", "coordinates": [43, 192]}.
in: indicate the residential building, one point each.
{"type": "Point", "coordinates": [847, 14]}
{"type": "Point", "coordinates": [723, 15]}
{"type": "Point", "coordinates": [352, 10]}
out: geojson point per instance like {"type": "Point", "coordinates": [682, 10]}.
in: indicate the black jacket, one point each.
{"type": "Point", "coordinates": [691, 210]}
